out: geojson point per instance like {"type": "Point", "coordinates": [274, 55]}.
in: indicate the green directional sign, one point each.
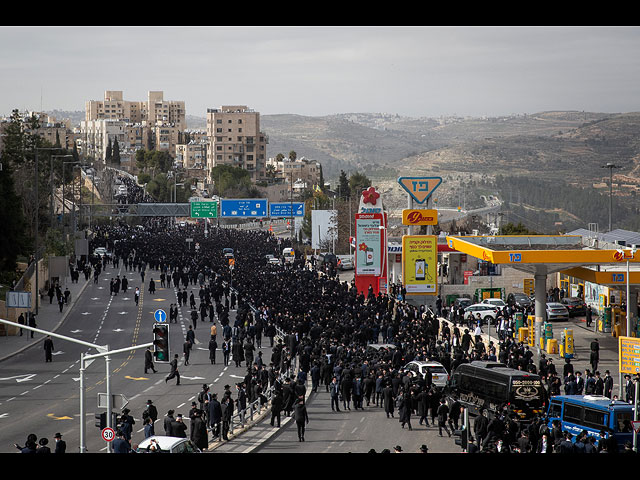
{"type": "Point", "coordinates": [204, 209]}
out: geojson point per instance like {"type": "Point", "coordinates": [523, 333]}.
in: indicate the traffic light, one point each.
{"type": "Point", "coordinates": [101, 420]}
{"type": "Point", "coordinates": [461, 437]}
{"type": "Point", "coordinates": [161, 342]}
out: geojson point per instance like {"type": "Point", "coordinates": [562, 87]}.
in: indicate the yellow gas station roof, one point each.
{"type": "Point", "coordinates": [529, 252]}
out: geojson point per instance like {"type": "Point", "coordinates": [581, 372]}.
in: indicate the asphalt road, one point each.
{"type": "Point", "coordinates": [47, 400]}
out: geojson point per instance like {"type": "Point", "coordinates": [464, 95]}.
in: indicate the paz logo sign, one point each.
{"type": "Point", "coordinates": [419, 217]}
{"type": "Point", "coordinates": [420, 188]}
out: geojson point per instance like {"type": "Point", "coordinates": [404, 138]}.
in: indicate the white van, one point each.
{"type": "Point", "coordinates": [289, 255]}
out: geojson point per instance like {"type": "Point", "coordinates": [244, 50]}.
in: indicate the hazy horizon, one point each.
{"type": "Point", "coordinates": [318, 71]}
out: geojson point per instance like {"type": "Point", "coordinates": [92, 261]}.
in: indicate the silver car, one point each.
{"type": "Point", "coordinates": [557, 311]}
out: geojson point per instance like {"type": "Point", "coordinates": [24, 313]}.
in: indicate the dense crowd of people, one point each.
{"type": "Point", "coordinates": [353, 344]}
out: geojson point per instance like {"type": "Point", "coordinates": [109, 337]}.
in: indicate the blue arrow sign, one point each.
{"type": "Point", "coordinates": [284, 209]}
{"type": "Point", "coordinates": [160, 316]}
{"type": "Point", "coordinates": [252, 207]}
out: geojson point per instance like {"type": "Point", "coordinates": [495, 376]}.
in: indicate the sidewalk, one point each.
{"type": "Point", "coordinates": [49, 318]}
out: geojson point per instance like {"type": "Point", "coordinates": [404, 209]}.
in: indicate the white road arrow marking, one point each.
{"type": "Point", "coordinates": [86, 313]}
{"type": "Point", "coordinates": [4, 415]}
{"type": "Point", "coordinates": [76, 331]}
{"type": "Point", "coordinates": [118, 330]}
{"type": "Point", "coordinates": [195, 378]}
{"type": "Point", "coordinates": [96, 298]}
{"type": "Point", "coordinates": [57, 353]}
{"type": "Point", "coordinates": [122, 313]}
{"type": "Point", "coordinates": [20, 378]}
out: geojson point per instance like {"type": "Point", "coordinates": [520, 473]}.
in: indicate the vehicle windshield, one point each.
{"type": "Point", "coordinates": [623, 422]}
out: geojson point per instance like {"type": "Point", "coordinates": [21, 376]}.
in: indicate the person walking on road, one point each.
{"type": "Point", "coordinates": [174, 370]}
{"type": "Point", "coordinates": [301, 417]}
{"type": "Point", "coordinates": [32, 321]}
{"type": "Point", "coordinates": [215, 416]}
{"type": "Point", "coordinates": [167, 422]}
{"type": "Point", "coordinates": [148, 360]}
{"type": "Point", "coordinates": [443, 413]}
{"type": "Point", "coordinates": [276, 408]}
{"type": "Point", "coordinates": [48, 348]}
{"type": "Point", "coordinates": [594, 356]}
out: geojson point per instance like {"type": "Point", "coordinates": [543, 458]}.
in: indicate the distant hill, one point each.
{"type": "Point", "coordinates": [567, 143]}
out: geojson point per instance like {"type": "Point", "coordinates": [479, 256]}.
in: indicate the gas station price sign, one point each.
{"type": "Point", "coordinates": [629, 356]}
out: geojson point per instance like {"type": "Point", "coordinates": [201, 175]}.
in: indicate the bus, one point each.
{"type": "Point", "coordinates": [593, 414]}
{"type": "Point", "coordinates": [493, 386]}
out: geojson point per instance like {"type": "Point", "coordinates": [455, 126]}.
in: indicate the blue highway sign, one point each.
{"type": "Point", "coordinates": [283, 209]}
{"type": "Point", "coordinates": [251, 207]}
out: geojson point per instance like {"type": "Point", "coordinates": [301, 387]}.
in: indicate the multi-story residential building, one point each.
{"type": "Point", "coordinates": [97, 134]}
{"type": "Point", "coordinates": [152, 124]}
{"type": "Point", "coordinates": [305, 173]}
{"type": "Point", "coordinates": [235, 139]}
{"type": "Point", "coordinates": [154, 111]}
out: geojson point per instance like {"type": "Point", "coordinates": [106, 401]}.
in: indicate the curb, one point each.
{"type": "Point", "coordinates": [55, 328]}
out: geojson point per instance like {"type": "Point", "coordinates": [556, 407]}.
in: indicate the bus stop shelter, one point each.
{"type": "Point", "coordinates": [541, 255]}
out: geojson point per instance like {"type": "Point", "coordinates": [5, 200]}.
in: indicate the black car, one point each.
{"type": "Point", "coordinates": [519, 299]}
{"type": "Point", "coordinates": [575, 305]}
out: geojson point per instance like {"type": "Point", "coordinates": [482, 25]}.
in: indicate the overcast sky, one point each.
{"type": "Point", "coordinates": [413, 71]}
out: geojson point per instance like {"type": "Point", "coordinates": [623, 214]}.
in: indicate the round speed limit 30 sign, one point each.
{"type": "Point", "coordinates": [108, 434]}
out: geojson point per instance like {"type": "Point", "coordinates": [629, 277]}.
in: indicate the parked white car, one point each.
{"type": "Point", "coordinates": [439, 374]}
{"type": "Point", "coordinates": [496, 302]}
{"type": "Point", "coordinates": [487, 312]}
{"type": "Point", "coordinates": [162, 444]}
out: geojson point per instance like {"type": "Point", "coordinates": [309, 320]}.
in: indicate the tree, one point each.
{"type": "Point", "coordinates": [116, 152]}
{"type": "Point", "coordinates": [511, 229]}
{"type": "Point", "coordinates": [292, 156]}
{"type": "Point", "coordinates": [107, 156]}
{"type": "Point", "coordinates": [343, 185]}
{"type": "Point", "coordinates": [358, 182]}
{"type": "Point", "coordinates": [233, 182]}
{"type": "Point", "coordinates": [13, 236]}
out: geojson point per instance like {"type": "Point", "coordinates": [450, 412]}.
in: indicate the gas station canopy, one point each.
{"type": "Point", "coordinates": [542, 253]}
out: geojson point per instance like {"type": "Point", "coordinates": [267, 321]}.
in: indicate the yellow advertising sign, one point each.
{"type": "Point", "coordinates": [411, 216]}
{"type": "Point", "coordinates": [420, 264]}
{"type": "Point", "coordinates": [629, 356]}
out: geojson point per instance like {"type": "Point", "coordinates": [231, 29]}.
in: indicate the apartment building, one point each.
{"type": "Point", "coordinates": [305, 173]}
{"type": "Point", "coordinates": [97, 134]}
{"type": "Point", "coordinates": [155, 110]}
{"type": "Point", "coordinates": [235, 139]}
{"type": "Point", "coordinates": [192, 155]}
{"type": "Point", "coordinates": [152, 124]}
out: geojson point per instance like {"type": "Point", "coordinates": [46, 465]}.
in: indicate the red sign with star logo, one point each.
{"type": "Point", "coordinates": [370, 196]}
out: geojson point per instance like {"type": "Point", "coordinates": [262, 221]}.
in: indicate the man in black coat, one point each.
{"type": "Point", "coordinates": [150, 411]}
{"type": "Point", "coordinates": [61, 445]}
{"type": "Point", "coordinates": [148, 360]}
{"type": "Point", "coordinates": [48, 349]}
{"type": "Point", "coordinates": [167, 423]}
{"type": "Point", "coordinates": [199, 434]}
{"type": "Point", "coordinates": [178, 428]}
{"type": "Point", "coordinates": [174, 370]}
{"type": "Point", "coordinates": [215, 415]}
